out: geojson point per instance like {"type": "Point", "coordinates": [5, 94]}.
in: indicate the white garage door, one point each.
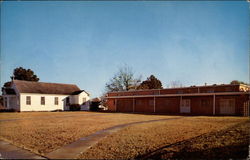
{"type": "Point", "coordinates": [185, 106]}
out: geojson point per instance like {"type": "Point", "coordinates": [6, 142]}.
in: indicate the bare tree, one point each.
{"type": "Point", "coordinates": [123, 80]}
{"type": "Point", "coordinates": [175, 84]}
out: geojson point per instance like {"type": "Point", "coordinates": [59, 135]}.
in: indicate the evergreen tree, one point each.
{"type": "Point", "coordinates": [151, 83]}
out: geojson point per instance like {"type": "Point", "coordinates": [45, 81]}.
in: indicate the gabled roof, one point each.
{"type": "Point", "coordinates": [78, 92]}
{"type": "Point", "coordinates": [97, 99]}
{"type": "Point", "coordinates": [45, 88]}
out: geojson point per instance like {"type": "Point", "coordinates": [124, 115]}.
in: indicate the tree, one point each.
{"type": "Point", "coordinates": [21, 74]}
{"type": "Point", "coordinates": [238, 82]}
{"type": "Point", "coordinates": [123, 80]}
{"type": "Point", "coordinates": [95, 103]}
{"type": "Point", "coordinates": [24, 74]}
{"type": "Point", "coordinates": [175, 84]}
{"type": "Point", "coordinates": [103, 99]}
{"type": "Point", "coordinates": [1, 102]}
{"type": "Point", "coordinates": [151, 83]}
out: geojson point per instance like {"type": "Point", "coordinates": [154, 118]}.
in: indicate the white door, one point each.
{"type": "Point", "coordinates": [227, 106]}
{"type": "Point", "coordinates": [185, 106]}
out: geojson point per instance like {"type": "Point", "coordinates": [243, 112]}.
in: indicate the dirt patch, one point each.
{"type": "Point", "coordinates": [135, 141]}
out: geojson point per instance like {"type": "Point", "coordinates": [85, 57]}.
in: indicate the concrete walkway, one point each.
{"type": "Point", "coordinates": [72, 150]}
{"type": "Point", "coordinates": [9, 151]}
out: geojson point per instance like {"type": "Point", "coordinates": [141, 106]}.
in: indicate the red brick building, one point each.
{"type": "Point", "coordinates": [196, 100]}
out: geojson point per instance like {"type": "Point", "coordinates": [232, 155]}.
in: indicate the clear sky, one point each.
{"type": "Point", "coordinates": [85, 43]}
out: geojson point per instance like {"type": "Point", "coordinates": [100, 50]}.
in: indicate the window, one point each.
{"type": "Point", "coordinates": [157, 92]}
{"type": "Point", "coordinates": [42, 100]}
{"type": "Point", "coordinates": [210, 91]}
{"type": "Point", "coordinates": [167, 102]}
{"type": "Point", "coordinates": [185, 103]}
{"type": "Point", "coordinates": [83, 100]}
{"type": "Point", "coordinates": [205, 103]}
{"type": "Point", "coordinates": [151, 102]}
{"type": "Point", "coordinates": [56, 100]}
{"type": "Point", "coordinates": [139, 102]}
{"type": "Point", "coordinates": [28, 100]}
{"type": "Point", "coordinates": [180, 92]}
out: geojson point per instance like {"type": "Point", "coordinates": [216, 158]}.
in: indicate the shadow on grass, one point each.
{"type": "Point", "coordinates": [233, 143]}
{"type": "Point", "coordinates": [239, 151]}
{"type": "Point", "coordinates": [168, 113]}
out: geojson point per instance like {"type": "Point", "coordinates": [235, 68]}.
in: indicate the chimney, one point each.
{"type": "Point", "coordinates": [205, 84]}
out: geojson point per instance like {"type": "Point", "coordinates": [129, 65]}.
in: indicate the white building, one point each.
{"type": "Point", "coordinates": [40, 96]}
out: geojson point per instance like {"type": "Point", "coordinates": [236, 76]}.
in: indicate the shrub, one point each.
{"type": "Point", "coordinates": [8, 110]}
{"type": "Point", "coordinates": [94, 106]}
{"type": "Point", "coordinates": [74, 107]}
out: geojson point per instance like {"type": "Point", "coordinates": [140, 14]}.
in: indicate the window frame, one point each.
{"type": "Point", "coordinates": [151, 102]}
{"type": "Point", "coordinates": [139, 102]}
{"type": "Point", "coordinates": [42, 100]}
{"type": "Point", "coordinates": [84, 100]}
{"type": "Point", "coordinates": [205, 103]}
{"type": "Point", "coordinates": [28, 100]}
{"type": "Point", "coordinates": [186, 103]}
{"type": "Point", "coordinates": [210, 91]}
{"type": "Point", "coordinates": [56, 101]}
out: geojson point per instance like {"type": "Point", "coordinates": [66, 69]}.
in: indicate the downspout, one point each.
{"type": "Point", "coordinates": [154, 104]}
{"type": "Point", "coordinates": [116, 105]}
{"type": "Point", "coordinates": [214, 104]}
{"type": "Point", "coordinates": [180, 103]}
{"type": "Point", "coordinates": [133, 104]}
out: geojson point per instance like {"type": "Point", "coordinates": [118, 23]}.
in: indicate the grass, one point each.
{"type": "Point", "coordinates": [43, 132]}
{"type": "Point", "coordinates": [232, 142]}
{"type": "Point", "coordinates": [140, 140]}
{"type": "Point", "coordinates": [22, 115]}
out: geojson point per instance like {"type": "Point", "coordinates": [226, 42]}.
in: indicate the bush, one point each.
{"type": "Point", "coordinates": [74, 107]}
{"type": "Point", "coordinates": [7, 110]}
{"type": "Point", "coordinates": [94, 106]}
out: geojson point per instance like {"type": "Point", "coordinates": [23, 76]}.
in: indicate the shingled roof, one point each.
{"type": "Point", "coordinates": [45, 88]}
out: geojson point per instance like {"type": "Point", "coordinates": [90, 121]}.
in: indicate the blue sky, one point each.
{"type": "Point", "coordinates": [85, 43]}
